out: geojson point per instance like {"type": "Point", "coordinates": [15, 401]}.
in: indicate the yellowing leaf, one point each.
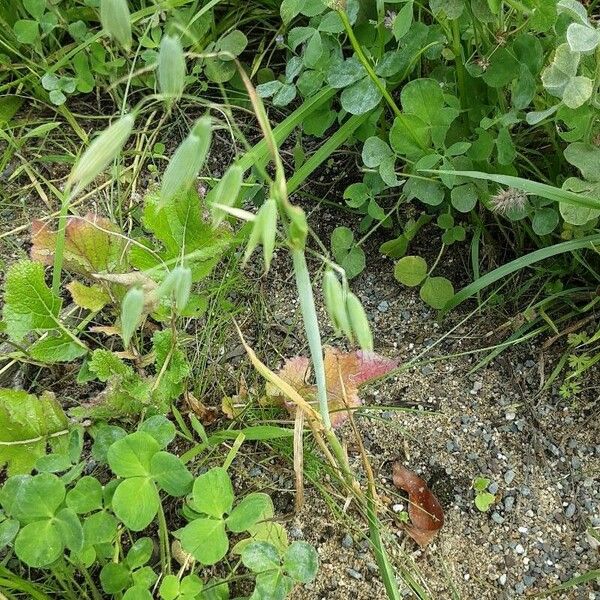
{"type": "Point", "coordinates": [90, 297]}
{"type": "Point", "coordinates": [27, 424]}
{"type": "Point", "coordinates": [93, 244]}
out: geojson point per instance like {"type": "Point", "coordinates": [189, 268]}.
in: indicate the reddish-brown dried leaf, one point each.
{"type": "Point", "coordinates": [91, 245]}
{"type": "Point", "coordinates": [344, 373]}
{"type": "Point", "coordinates": [425, 511]}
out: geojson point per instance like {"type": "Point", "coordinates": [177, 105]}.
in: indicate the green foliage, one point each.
{"type": "Point", "coordinates": [483, 499]}
{"type": "Point", "coordinates": [27, 425]}
{"type": "Point", "coordinates": [55, 522]}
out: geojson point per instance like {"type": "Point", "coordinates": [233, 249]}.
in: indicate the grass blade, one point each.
{"type": "Point", "coordinates": [532, 187]}
{"type": "Point", "coordinates": [520, 263]}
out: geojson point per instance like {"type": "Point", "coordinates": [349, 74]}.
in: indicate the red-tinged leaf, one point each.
{"type": "Point", "coordinates": [344, 373]}
{"type": "Point", "coordinates": [91, 245]}
{"type": "Point", "coordinates": [425, 511]}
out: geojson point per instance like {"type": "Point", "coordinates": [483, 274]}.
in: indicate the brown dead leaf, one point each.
{"type": "Point", "coordinates": [425, 511]}
{"type": "Point", "coordinates": [206, 414]}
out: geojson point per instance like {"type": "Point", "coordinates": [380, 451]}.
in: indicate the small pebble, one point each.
{"type": "Point", "coordinates": [493, 488]}
{"type": "Point", "coordinates": [570, 511]}
{"type": "Point", "coordinates": [519, 549]}
{"type": "Point", "coordinates": [354, 574]}
{"type": "Point", "coordinates": [509, 476]}
{"type": "Point", "coordinates": [347, 541]}
{"type": "Point", "coordinates": [502, 579]}
{"type": "Point", "coordinates": [383, 306]}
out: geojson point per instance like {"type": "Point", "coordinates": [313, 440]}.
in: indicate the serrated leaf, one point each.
{"type": "Point", "coordinates": [93, 244]}
{"type": "Point", "coordinates": [29, 304]}
{"type": "Point", "coordinates": [25, 417]}
{"type": "Point", "coordinates": [171, 365]}
{"type": "Point", "coordinates": [180, 231]}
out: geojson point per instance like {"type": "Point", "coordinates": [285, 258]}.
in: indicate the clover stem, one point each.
{"type": "Point", "coordinates": [163, 534]}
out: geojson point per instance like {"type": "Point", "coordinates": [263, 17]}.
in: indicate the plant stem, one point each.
{"type": "Point", "coordinates": [460, 67]}
{"type": "Point", "coordinates": [163, 534]}
{"type": "Point", "coordinates": [366, 64]}
{"type": "Point", "coordinates": [311, 325]}
{"type": "Point", "coordinates": [60, 241]}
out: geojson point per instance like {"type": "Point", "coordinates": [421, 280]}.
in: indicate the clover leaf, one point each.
{"type": "Point", "coordinates": [205, 538]}
{"type": "Point", "coordinates": [145, 468]}
{"type": "Point", "coordinates": [277, 573]}
{"type": "Point", "coordinates": [47, 526]}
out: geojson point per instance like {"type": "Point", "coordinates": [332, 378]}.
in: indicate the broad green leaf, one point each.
{"type": "Point", "coordinates": [100, 528]}
{"type": "Point", "coordinates": [29, 304]}
{"type": "Point", "coordinates": [544, 221]}
{"type": "Point", "coordinates": [427, 191]}
{"type": "Point", "coordinates": [423, 98]}
{"type": "Point", "coordinates": [169, 587]}
{"type": "Point", "coordinates": [40, 543]}
{"type": "Point", "coordinates": [191, 585]}
{"type": "Point", "coordinates": [360, 97]}
{"type": "Point", "coordinates": [248, 512]}
{"type": "Point", "coordinates": [437, 291]}
{"type": "Point", "coordinates": [579, 215]}
{"type": "Point", "coordinates": [577, 91]}
{"type": "Point", "coordinates": [171, 474]}
{"type": "Point", "coordinates": [403, 21]}
{"type": "Point", "coordinates": [261, 556]}
{"type": "Point", "coordinates": [8, 530]}
{"type": "Point", "coordinates": [374, 152]}
{"type": "Point", "coordinates": [410, 136]}
{"type": "Point", "coordinates": [85, 496]}
{"type": "Point", "coordinates": [213, 493]}
{"type": "Point", "coordinates": [139, 553]}
{"type": "Point", "coordinates": [232, 43]}
{"type": "Point", "coordinates": [301, 562]}
{"type": "Point", "coordinates": [503, 68]}
{"type": "Point", "coordinates": [561, 70]}
{"type": "Point", "coordinates": [346, 72]}
{"type": "Point", "coordinates": [410, 270]}
{"type": "Point", "coordinates": [464, 197]}
{"type": "Point", "coordinates": [26, 424]}
{"type": "Point", "coordinates": [137, 592]}
{"type": "Point", "coordinates": [506, 148]}
{"type": "Point", "coordinates": [206, 540]}
{"type": "Point", "coordinates": [586, 157]}
{"type": "Point", "coordinates": [136, 502]}
{"type": "Point", "coordinates": [26, 31]}
{"type": "Point", "coordinates": [56, 348]}
{"type": "Point", "coordinates": [273, 585]}
{"type": "Point", "coordinates": [104, 436]}
{"type": "Point", "coordinates": [160, 428]}
{"type": "Point", "coordinates": [131, 456]}
{"type": "Point", "coordinates": [484, 501]}
{"type": "Point", "coordinates": [452, 9]}
{"type": "Point", "coordinates": [93, 244]}
{"type": "Point", "coordinates": [31, 498]}
{"type": "Point", "coordinates": [290, 9]}
{"type": "Point", "coordinates": [114, 577]}
{"type": "Point", "coordinates": [582, 38]}
{"type": "Point", "coordinates": [70, 529]}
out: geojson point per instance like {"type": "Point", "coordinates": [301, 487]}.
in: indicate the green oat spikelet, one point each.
{"type": "Point", "coordinates": [186, 162]}
{"type": "Point", "coordinates": [101, 152]}
{"type": "Point", "coordinates": [116, 20]}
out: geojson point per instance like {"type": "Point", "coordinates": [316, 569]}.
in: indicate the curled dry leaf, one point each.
{"type": "Point", "coordinates": [345, 372]}
{"type": "Point", "coordinates": [206, 414]}
{"type": "Point", "coordinates": [425, 511]}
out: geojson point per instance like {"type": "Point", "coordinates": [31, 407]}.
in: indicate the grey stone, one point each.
{"type": "Point", "coordinates": [354, 574]}
{"type": "Point", "coordinates": [493, 488]}
{"type": "Point", "coordinates": [509, 476]}
{"type": "Point", "coordinates": [347, 541]}
{"type": "Point", "coordinates": [570, 510]}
